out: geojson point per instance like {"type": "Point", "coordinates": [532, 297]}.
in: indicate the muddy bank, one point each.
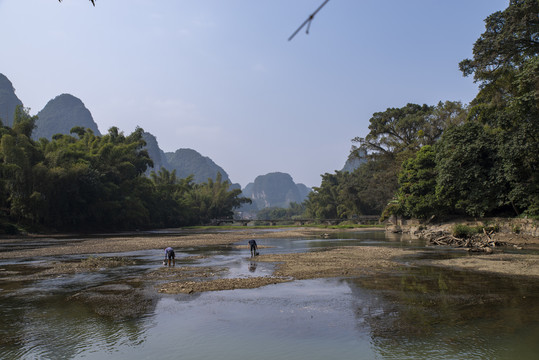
{"type": "Point", "coordinates": [499, 235]}
{"type": "Point", "coordinates": [507, 264]}
{"type": "Point", "coordinates": [340, 262]}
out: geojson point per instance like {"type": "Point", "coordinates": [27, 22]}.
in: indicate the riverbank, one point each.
{"type": "Point", "coordinates": [519, 233]}
{"type": "Point", "coordinates": [518, 236]}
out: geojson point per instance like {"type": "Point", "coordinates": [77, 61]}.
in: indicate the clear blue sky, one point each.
{"type": "Point", "coordinates": [221, 77]}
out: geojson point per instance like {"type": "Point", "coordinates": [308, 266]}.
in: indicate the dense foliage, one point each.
{"type": "Point", "coordinates": [88, 182]}
{"type": "Point", "coordinates": [477, 160]}
{"type": "Point", "coordinates": [293, 211]}
{"type": "Point", "coordinates": [395, 136]}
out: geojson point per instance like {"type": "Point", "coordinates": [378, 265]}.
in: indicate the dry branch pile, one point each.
{"type": "Point", "coordinates": [478, 242]}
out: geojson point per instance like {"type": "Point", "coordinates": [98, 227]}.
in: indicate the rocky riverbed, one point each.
{"type": "Point", "coordinates": [335, 262]}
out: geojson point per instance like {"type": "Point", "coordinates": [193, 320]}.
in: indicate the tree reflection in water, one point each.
{"type": "Point", "coordinates": [437, 312]}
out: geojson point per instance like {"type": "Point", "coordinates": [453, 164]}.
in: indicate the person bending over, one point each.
{"type": "Point", "coordinates": [254, 247]}
{"type": "Point", "coordinates": [170, 256]}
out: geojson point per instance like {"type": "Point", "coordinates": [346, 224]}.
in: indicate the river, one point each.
{"type": "Point", "coordinates": [411, 313]}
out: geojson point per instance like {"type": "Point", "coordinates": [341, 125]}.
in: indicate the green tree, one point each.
{"type": "Point", "coordinates": [506, 65]}
{"type": "Point", "coordinates": [396, 129]}
{"type": "Point", "coordinates": [510, 40]}
{"type": "Point", "coordinates": [323, 201]}
{"type": "Point", "coordinates": [214, 199]}
{"type": "Point", "coordinates": [468, 170]}
{"type": "Point", "coordinates": [395, 136]}
{"type": "Point", "coordinates": [416, 197]}
{"type": "Point", "coordinates": [294, 210]}
{"type": "Point", "coordinates": [400, 132]}
{"type": "Point", "coordinates": [19, 155]}
{"type": "Point", "coordinates": [369, 189]}
{"type": "Point", "coordinates": [94, 181]}
{"type": "Point", "coordinates": [173, 205]}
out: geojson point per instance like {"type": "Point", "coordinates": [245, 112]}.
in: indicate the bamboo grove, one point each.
{"type": "Point", "coordinates": [85, 182]}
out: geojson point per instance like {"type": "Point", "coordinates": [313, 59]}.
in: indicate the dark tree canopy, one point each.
{"type": "Point", "coordinates": [511, 38]}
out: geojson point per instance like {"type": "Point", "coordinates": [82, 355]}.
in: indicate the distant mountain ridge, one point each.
{"type": "Point", "coordinates": [60, 115]}
{"type": "Point", "coordinates": [275, 189]}
{"type": "Point", "coordinates": [156, 154]}
{"type": "Point", "coordinates": [189, 161]}
{"type": "Point", "coordinates": [8, 101]}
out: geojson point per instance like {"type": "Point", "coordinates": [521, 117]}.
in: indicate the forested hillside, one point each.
{"type": "Point", "coordinates": [480, 159]}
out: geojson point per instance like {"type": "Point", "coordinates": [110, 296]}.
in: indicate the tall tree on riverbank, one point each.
{"type": "Point", "coordinates": [505, 63]}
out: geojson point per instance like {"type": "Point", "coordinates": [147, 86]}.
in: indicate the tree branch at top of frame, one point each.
{"type": "Point", "coordinates": [92, 1]}
{"type": "Point", "coordinates": [308, 21]}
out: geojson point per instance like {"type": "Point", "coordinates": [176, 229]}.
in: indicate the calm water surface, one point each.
{"type": "Point", "coordinates": [412, 313]}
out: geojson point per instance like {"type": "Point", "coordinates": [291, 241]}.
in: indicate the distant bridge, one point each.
{"type": "Point", "coordinates": [362, 220]}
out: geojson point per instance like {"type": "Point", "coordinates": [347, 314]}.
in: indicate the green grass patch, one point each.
{"type": "Point", "coordinates": [465, 231]}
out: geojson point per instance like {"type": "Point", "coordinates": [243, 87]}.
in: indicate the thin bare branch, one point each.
{"type": "Point", "coordinates": [308, 21]}
{"type": "Point", "coordinates": [93, 1]}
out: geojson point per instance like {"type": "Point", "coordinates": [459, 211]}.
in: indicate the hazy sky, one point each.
{"type": "Point", "coordinates": [221, 77]}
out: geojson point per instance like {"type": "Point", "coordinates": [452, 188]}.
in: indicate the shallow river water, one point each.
{"type": "Point", "coordinates": [413, 313]}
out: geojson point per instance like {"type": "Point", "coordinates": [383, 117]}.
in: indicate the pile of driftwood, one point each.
{"type": "Point", "coordinates": [477, 242]}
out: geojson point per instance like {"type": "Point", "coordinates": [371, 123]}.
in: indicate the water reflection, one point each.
{"type": "Point", "coordinates": [434, 313]}
{"type": "Point", "coordinates": [252, 266]}
{"type": "Point", "coordinates": [56, 329]}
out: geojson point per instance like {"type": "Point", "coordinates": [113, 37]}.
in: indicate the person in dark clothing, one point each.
{"type": "Point", "coordinates": [170, 256]}
{"type": "Point", "coordinates": [254, 247]}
